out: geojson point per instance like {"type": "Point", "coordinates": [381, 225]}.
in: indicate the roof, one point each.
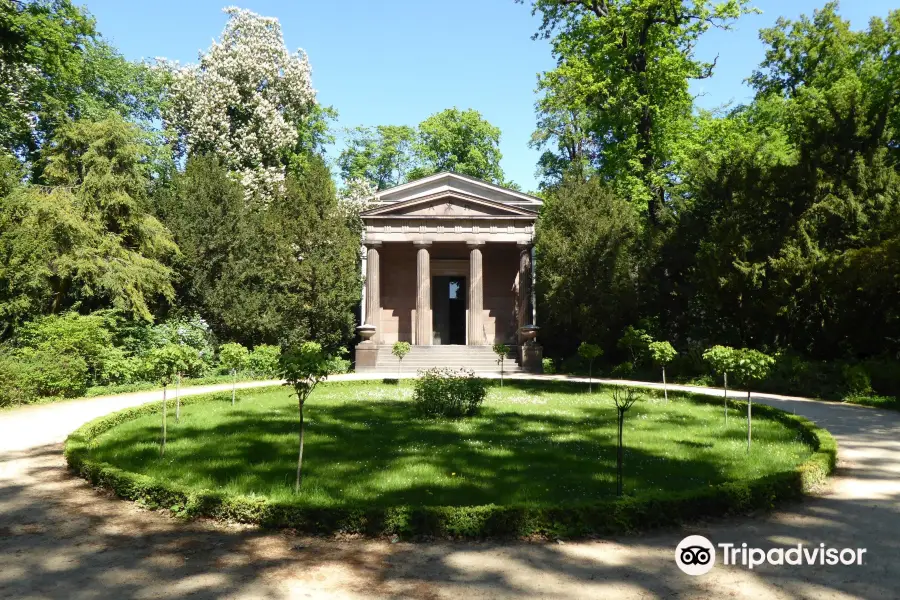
{"type": "Point", "coordinates": [454, 182]}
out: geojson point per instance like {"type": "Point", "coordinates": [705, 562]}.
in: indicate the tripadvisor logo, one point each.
{"type": "Point", "coordinates": [696, 555]}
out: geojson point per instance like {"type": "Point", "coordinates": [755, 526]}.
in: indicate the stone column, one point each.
{"type": "Point", "coordinates": [524, 299]}
{"type": "Point", "coordinates": [423, 294]}
{"type": "Point", "coordinates": [476, 294]}
{"type": "Point", "coordinates": [373, 288]}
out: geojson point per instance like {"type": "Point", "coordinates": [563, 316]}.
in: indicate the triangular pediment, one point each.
{"type": "Point", "coordinates": [455, 184]}
{"type": "Point", "coordinates": [449, 205]}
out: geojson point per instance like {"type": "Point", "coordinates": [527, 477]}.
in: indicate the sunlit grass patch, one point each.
{"type": "Point", "coordinates": [529, 445]}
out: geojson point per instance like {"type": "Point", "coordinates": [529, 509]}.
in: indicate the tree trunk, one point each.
{"type": "Point", "coordinates": [162, 445]}
{"type": "Point", "coordinates": [177, 399]}
{"type": "Point", "coordinates": [726, 399]}
{"type": "Point", "coordinates": [591, 377]}
{"type": "Point", "coordinates": [619, 455]}
{"type": "Point", "coordinates": [300, 455]}
{"type": "Point", "coordinates": [749, 420]}
{"type": "Point", "coordinates": [665, 390]}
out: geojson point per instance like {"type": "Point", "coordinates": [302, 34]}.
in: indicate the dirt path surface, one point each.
{"type": "Point", "coordinates": [59, 538]}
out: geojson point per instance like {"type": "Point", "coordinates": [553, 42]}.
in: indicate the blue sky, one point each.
{"type": "Point", "coordinates": [399, 61]}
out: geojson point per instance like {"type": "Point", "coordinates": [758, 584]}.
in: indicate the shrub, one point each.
{"type": "Point", "coordinates": [448, 393]}
{"type": "Point", "coordinates": [193, 332]}
{"type": "Point", "coordinates": [549, 367]}
{"type": "Point", "coordinates": [71, 335]}
{"type": "Point", "coordinates": [50, 373]}
{"type": "Point", "coordinates": [233, 356]}
{"type": "Point", "coordinates": [856, 380]}
{"type": "Point", "coordinates": [13, 388]}
{"type": "Point", "coordinates": [264, 360]}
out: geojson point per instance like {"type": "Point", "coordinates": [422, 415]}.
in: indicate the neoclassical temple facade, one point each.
{"type": "Point", "coordinates": [448, 262]}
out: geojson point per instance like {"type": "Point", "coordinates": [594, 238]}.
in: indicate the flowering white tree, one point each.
{"type": "Point", "coordinates": [354, 197]}
{"type": "Point", "coordinates": [244, 101]}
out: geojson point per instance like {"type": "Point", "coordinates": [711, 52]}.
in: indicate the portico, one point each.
{"type": "Point", "coordinates": [448, 261]}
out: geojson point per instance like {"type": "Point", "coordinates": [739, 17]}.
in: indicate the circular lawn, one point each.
{"type": "Point", "coordinates": [542, 446]}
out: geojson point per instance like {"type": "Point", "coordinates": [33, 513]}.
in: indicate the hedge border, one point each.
{"type": "Point", "coordinates": [608, 517]}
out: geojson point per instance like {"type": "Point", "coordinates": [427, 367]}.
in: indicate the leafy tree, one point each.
{"type": "Point", "coordinates": [662, 354]}
{"type": "Point", "coordinates": [624, 399]}
{"type": "Point", "coordinates": [636, 342]}
{"type": "Point", "coordinates": [400, 350]}
{"type": "Point", "coordinates": [585, 243]}
{"type": "Point", "coordinates": [234, 357]}
{"type": "Point", "coordinates": [459, 141]}
{"type": "Point", "coordinates": [164, 364]}
{"type": "Point", "coordinates": [590, 352]}
{"type": "Point", "coordinates": [751, 366]}
{"type": "Point", "coordinates": [304, 368]}
{"type": "Point", "coordinates": [264, 360]}
{"type": "Point", "coordinates": [501, 350]}
{"type": "Point", "coordinates": [244, 102]}
{"type": "Point", "coordinates": [56, 68]}
{"type": "Point", "coordinates": [279, 274]}
{"type": "Point", "coordinates": [381, 155]}
{"type": "Point", "coordinates": [563, 132]}
{"type": "Point", "coordinates": [90, 241]}
{"type": "Point", "coordinates": [626, 65]}
{"type": "Point", "coordinates": [722, 360]}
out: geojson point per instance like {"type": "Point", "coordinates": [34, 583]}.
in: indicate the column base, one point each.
{"type": "Point", "coordinates": [531, 357]}
{"type": "Point", "coordinates": [366, 357]}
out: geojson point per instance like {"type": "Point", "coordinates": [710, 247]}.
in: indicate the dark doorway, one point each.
{"type": "Point", "coordinates": [448, 309]}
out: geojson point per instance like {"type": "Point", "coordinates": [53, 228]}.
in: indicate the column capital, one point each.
{"type": "Point", "coordinates": [472, 244]}
{"type": "Point", "coordinates": [372, 244]}
{"type": "Point", "coordinates": [524, 245]}
{"type": "Point", "coordinates": [422, 244]}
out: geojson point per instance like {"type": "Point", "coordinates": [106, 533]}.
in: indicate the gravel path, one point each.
{"type": "Point", "coordinates": [61, 539]}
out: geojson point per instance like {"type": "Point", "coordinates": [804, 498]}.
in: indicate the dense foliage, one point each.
{"type": "Point", "coordinates": [194, 197]}
{"type": "Point", "coordinates": [448, 393]}
{"type": "Point", "coordinates": [459, 141]}
{"type": "Point", "coordinates": [773, 225]}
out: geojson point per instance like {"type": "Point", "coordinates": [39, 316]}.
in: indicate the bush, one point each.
{"type": "Point", "coordinates": [856, 380]}
{"type": "Point", "coordinates": [71, 335]}
{"type": "Point", "coordinates": [233, 357]}
{"type": "Point", "coordinates": [48, 373]}
{"type": "Point", "coordinates": [448, 393]}
{"type": "Point", "coordinates": [549, 367]}
{"type": "Point", "coordinates": [337, 364]}
{"type": "Point", "coordinates": [12, 384]}
{"type": "Point", "coordinates": [264, 360]}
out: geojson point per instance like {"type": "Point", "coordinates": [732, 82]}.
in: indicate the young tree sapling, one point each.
{"type": "Point", "coordinates": [721, 359]}
{"type": "Point", "coordinates": [400, 349]}
{"type": "Point", "coordinates": [501, 350]}
{"type": "Point", "coordinates": [303, 369]}
{"type": "Point", "coordinates": [662, 353]}
{"type": "Point", "coordinates": [589, 352]}
{"type": "Point", "coordinates": [751, 366]}
{"type": "Point", "coordinates": [624, 399]}
{"type": "Point", "coordinates": [233, 357]}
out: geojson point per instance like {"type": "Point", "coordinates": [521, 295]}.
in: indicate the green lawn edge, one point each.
{"type": "Point", "coordinates": [627, 515]}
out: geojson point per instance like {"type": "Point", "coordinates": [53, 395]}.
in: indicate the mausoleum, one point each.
{"type": "Point", "coordinates": [449, 268]}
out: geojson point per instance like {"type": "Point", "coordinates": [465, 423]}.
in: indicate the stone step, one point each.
{"type": "Point", "coordinates": [475, 358]}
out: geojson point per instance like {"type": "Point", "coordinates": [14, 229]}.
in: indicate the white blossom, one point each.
{"type": "Point", "coordinates": [244, 100]}
{"type": "Point", "coordinates": [356, 195]}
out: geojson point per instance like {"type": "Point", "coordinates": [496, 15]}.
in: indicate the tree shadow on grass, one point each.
{"type": "Point", "coordinates": [59, 539]}
{"type": "Point", "coordinates": [380, 453]}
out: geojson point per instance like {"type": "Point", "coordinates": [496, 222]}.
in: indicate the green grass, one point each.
{"type": "Point", "coordinates": [531, 444]}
